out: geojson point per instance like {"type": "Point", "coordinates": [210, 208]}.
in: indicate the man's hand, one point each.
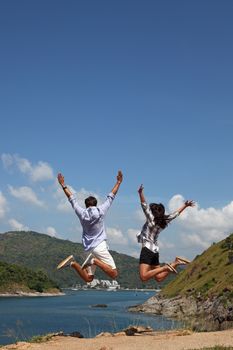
{"type": "Point", "coordinates": [118, 183]}
{"type": "Point", "coordinates": [61, 179]}
{"type": "Point", "coordinates": [119, 177]}
{"type": "Point", "coordinates": [189, 203]}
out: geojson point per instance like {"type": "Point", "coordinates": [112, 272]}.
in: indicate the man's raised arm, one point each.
{"type": "Point", "coordinates": [118, 183]}
{"type": "Point", "coordinates": [61, 181]}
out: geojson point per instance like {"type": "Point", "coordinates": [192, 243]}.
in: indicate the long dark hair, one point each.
{"type": "Point", "coordinates": [158, 212]}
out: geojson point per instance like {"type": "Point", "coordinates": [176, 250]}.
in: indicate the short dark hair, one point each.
{"type": "Point", "coordinates": [90, 201]}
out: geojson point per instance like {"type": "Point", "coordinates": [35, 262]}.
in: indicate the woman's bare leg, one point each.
{"type": "Point", "coordinates": [161, 276]}
{"type": "Point", "coordinates": [147, 272]}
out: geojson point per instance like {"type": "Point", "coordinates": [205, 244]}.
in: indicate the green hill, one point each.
{"type": "Point", "coordinates": [40, 251]}
{"type": "Point", "coordinates": [210, 274]}
{"type": "Point", "coordinates": [17, 278]}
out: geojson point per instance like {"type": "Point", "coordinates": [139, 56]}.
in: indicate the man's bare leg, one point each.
{"type": "Point", "coordinates": [113, 273]}
{"type": "Point", "coordinates": [82, 272]}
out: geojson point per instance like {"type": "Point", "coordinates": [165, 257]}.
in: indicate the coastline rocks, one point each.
{"type": "Point", "coordinates": [129, 331]}
{"type": "Point", "coordinates": [175, 307]}
{"type": "Point", "coordinates": [137, 330]}
{"type": "Point", "coordinates": [76, 335]}
{"type": "Point", "coordinates": [104, 334]}
{"type": "Point", "coordinates": [204, 315]}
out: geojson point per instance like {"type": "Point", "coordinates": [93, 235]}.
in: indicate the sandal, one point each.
{"type": "Point", "coordinates": [171, 268]}
{"type": "Point", "coordinates": [182, 260]}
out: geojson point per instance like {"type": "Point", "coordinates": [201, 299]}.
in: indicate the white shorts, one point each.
{"type": "Point", "coordinates": [101, 252]}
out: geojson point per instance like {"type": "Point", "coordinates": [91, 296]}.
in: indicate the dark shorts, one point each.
{"type": "Point", "coordinates": [148, 257]}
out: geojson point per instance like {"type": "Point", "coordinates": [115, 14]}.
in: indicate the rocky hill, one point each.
{"type": "Point", "coordinates": [202, 294]}
{"type": "Point", "coordinates": [210, 274]}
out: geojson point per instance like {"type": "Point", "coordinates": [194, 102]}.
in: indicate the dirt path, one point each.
{"type": "Point", "coordinates": [155, 341]}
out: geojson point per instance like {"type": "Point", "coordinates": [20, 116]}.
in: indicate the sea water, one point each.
{"type": "Point", "coordinates": [21, 318]}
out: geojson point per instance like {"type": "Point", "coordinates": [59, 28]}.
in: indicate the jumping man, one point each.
{"type": "Point", "coordinates": [94, 234]}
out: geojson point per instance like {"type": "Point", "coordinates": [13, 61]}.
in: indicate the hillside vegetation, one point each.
{"type": "Point", "coordinates": [40, 251]}
{"type": "Point", "coordinates": [210, 274]}
{"type": "Point", "coordinates": [15, 278]}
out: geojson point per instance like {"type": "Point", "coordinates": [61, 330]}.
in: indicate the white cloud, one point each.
{"type": "Point", "coordinates": [63, 203]}
{"type": "Point", "coordinates": [83, 194]}
{"type": "Point", "coordinates": [17, 226]}
{"type": "Point", "coordinates": [132, 235]}
{"type": "Point", "coordinates": [51, 231]}
{"type": "Point", "coordinates": [25, 194]}
{"type": "Point", "coordinates": [176, 202]}
{"type": "Point", "coordinates": [195, 240]}
{"type": "Point", "coordinates": [116, 236]}
{"type": "Point", "coordinates": [7, 160]}
{"type": "Point", "coordinates": [140, 216]}
{"type": "Point", "coordinates": [3, 205]}
{"type": "Point", "coordinates": [23, 164]}
{"type": "Point", "coordinates": [166, 245]}
{"type": "Point", "coordinates": [201, 227]}
{"type": "Point", "coordinates": [41, 171]}
{"type": "Point", "coordinates": [64, 206]}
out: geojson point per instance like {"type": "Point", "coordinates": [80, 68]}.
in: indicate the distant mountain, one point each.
{"type": "Point", "coordinates": [14, 278]}
{"type": "Point", "coordinates": [39, 251]}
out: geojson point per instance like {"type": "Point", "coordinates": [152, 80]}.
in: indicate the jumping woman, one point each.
{"type": "Point", "coordinates": [156, 221]}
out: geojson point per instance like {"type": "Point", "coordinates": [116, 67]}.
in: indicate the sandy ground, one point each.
{"type": "Point", "coordinates": [155, 341]}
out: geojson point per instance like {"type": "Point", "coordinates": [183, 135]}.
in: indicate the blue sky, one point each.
{"type": "Point", "coordinates": [90, 87]}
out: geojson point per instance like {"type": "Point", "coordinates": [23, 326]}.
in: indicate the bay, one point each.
{"type": "Point", "coordinates": [24, 317]}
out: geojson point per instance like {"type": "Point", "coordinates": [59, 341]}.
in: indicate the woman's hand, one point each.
{"type": "Point", "coordinates": [189, 203]}
{"type": "Point", "coordinates": [141, 188]}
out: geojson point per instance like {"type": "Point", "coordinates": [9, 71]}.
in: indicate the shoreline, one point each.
{"type": "Point", "coordinates": [63, 292]}
{"type": "Point", "coordinates": [30, 294]}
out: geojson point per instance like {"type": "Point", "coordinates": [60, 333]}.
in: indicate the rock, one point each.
{"type": "Point", "coordinates": [104, 334]}
{"type": "Point", "coordinates": [131, 330]}
{"type": "Point", "coordinates": [76, 334]}
{"type": "Point", "coordinates": [202, 315]}
{"type": "Point", "coordinates": [119, 334]}
{"type": "Point", "coordinates": [100, 305]}
{"type": "Point", "coordinates": [174, 307]}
